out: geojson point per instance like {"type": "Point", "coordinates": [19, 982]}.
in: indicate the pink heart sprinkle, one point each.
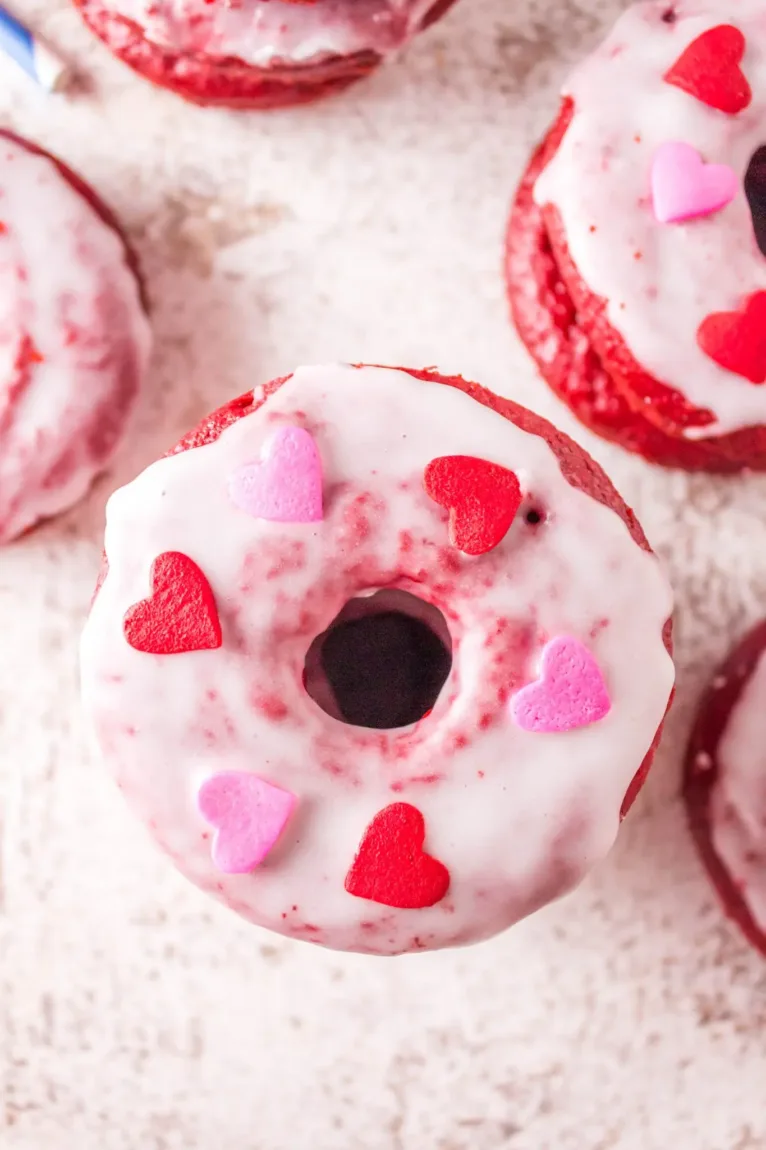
{"type": "Point", "coordinates": [286, 486]}
{"type": "Point", "coordinates": [684, 186]}
{"type": "Point", "coordinates": [570, 692]}
{"type": "Point", "coordinates": [249, 815]}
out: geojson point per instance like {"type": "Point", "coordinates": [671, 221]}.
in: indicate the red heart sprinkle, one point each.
{"type": "Point", "coordinates": [482, 499]}
{"type": "Point", "coordinates": [737, 339]}
{"type": "Point", "coordinates": [391, 866]}
{"type": "Point", "coordinates": [709, 70]}
{"type": "Point", "coordinates": [181, 614]}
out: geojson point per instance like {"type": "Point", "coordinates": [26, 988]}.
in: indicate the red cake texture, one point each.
{"type": "Point", "coordinates": [75, 323]}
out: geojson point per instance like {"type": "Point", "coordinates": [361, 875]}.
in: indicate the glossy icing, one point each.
{"type": "Point", "coordinates": [74, 340]}
{"type": "Point", "coordinates": [662, 280]}
{"type": "Point", "coordinates": [518, 818]}
{"type": "Point", "coordinates": [262, 32]}
{"type": "Point", "coordinates": [738, 799]}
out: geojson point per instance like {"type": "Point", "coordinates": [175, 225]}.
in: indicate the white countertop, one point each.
{"type": "Point", "coordinates": [134, 1013]}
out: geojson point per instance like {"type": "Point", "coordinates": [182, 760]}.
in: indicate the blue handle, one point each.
{"type": "Point", "coordinates": [17, 42]}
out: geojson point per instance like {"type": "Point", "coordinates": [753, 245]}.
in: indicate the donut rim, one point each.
{"type": "Point", "coordinates": [227, 81]}
{"type": "Point", "coordinates": [102, 210]}
{"type": "Point", "coordinates": [648, 431]}
{"type": "Point", "coordinates": [710, 724]}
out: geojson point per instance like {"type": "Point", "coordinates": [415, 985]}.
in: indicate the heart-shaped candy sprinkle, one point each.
{"type": "Point", "coordinates": [180, 615]}
{"type": "Point", "coordinates": [482, 499]}
{"type": "Point", "coordinates": [391, 866]}
{"type": "Point", "coordinates": [570, 692]}
{"type": "Point", "coordinates": [684, 186]}
{"type": "Point", "coordinates": [286, 485]}
{"type": "Point", "coordinates": [710, 70]}
{"type": "Point", "coordinates": [248, 814]}
{"type": "Point", "coordinates": [736, 340]}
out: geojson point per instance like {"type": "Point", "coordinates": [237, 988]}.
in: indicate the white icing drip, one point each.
{"type": "Point", "coordinates": [600, 180]}
{"type": "Point", "coordinates": [738, 801]}
{"type": "Point", "coordinates": [517, 818]}
{"type": "Point", "coordinates": [262, 33]}
{"type": "Point", "coordinates": [66, 289]}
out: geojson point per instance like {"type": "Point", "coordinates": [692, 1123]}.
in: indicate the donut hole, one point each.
{"type": "Point", "coordinates": [755, 190]}
{"type": "Point", "coordinates": [534, 516]}
{"type": "Point", "coordinates": [669, 16]}
{"type": "Point", "coordinates": [382, 662]}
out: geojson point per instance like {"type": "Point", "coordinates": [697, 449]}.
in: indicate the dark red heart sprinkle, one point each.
{"type": "Point", "coordinates": [391, 866]}
{"type": "Point", "coordinates": [709, 70]}
{"type": "Point", "coordinates": [737, 339]}
{"type": "Point", "coordinates": [181, 614]}
{"type": "Point", "coordinates": [481, 497]}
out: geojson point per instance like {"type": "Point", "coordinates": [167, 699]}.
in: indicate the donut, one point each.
{"type": "Point", "coordinates": [636, 245]}
{"type": "Point", "coordinates": [74, 331]}
{"type": "Point", "coordinates": [257, 53]}
{"type": "Point", "coordinates": [725, 785]}
{"type": "Point", "coordinates": [354, 665]}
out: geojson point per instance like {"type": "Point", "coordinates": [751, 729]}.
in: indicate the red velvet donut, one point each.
{"type": "Point", "coordinates": [380, 658]}
{"type": "Point", "coordinates": [257, 53]}
{"type": "Point", "coordinates": [75, 336]}
{"type": "Point", "coordinates": [633, 262]}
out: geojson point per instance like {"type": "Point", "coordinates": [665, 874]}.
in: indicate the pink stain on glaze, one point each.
{"type": "Point", "coordinates": [248, 815]}
{"type": "Point", "coordinates": [286, 485]}
{"type": "Point", "coordinates": [570, 692]}
{"type": "Point", "coordinates": [684, 187]}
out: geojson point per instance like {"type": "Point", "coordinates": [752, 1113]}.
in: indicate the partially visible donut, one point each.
{"type": "Point", "coordinates": [74, 336]}
{"type": "Point", "coordinates": [379, 657]}
{"type": "Point", "coordinates": [257, 53]}
{"type": "Point", "coordinates": [635, 273]}
{"type": "Point", "coordinates": [725, 785]}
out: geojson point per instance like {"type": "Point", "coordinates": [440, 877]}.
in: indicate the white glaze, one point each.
{"type": "Point", "coordinates": [738, 800]}
{"type": "Point", "coordinates": [600, 178]}
{"type": "Point", "coordinates": [64, 285]}
{"type": "Point", "coordinates": [518, 818]}
{"type": "Point", "coordinates": [262, 33]}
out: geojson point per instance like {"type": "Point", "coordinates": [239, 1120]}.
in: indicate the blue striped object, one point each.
{"type": "Point", "coordinates": [37, 60]}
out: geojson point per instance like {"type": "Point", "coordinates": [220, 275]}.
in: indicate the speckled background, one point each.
{"type": "Point", "coordinates": [134, 1013]}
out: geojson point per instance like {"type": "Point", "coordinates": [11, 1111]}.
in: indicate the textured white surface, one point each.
{"type": "Point", "coordinates": [134, 1013]}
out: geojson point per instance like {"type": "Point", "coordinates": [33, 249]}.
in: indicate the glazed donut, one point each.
{"type": "Point", "coordinates": [379, 657]}
{"type": "Point", "coordinates": [635, 252]}
{"type": "Point", "coordinates": [73, 331]}
{"type": "Point", "coordinates": [725, 785]}
{"type": "Point", "coordinates": [257, 53]}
